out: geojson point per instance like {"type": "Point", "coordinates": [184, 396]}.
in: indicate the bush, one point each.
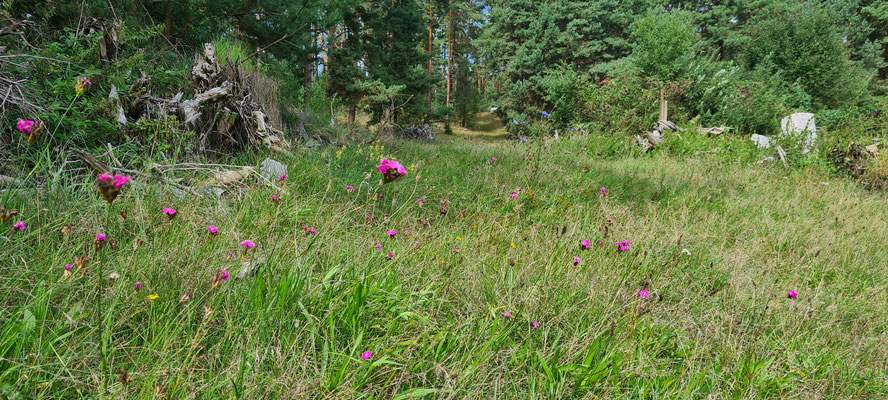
{"type": "Point", "coordinates": [800, 44]}
{"type": "Point", "coordinates": [624, 104]}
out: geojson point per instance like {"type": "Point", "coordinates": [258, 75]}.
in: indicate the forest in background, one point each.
{"type": "Point", "coordinates": [315, 68]}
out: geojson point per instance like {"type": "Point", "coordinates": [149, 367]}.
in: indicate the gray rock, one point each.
{"type": "Point", "coordinates": [271, 169]}
{"type": "Point", "coordinates": [761, 141]}
{"type": "Point", "coordinates": [800, 126]}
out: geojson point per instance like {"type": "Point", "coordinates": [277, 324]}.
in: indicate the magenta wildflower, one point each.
{"type": "Point", "coordinates": [644, 294]}
{"type": "Point", "coordinates": [26, 127]}
{"type": "Point", "coordinates": [137, 286]}
{"type": "Point", "coordinates": [276, 200]}
{"type": "Point", "coordinates": [366, 355]}
{"type": "Point", "coordinates": [391, 233]}
{"type": "Point", "coordinates": [282, 178]}
{"type": "Point", "coordinates": [68, 267]}
{"type": "Point", "coordinates": [493, 159]}
{"type": "Point", "coordinates": [792, 294]}
{"type": "Point", "coordinates": [349, 188]}
{"type": "Point", "coordinates": [603, 192]}
{"type": "Point", "coordinates": [170, 213]}
{"type": "Point", "coordinates": [514, 195]}
{"type": "Point", "coordinates": [576, 261]}
{"type": "Point", "coordinates": [248, 244]}
{"type": "Point", "coordinates": [585, 245]}
{"type": "Point", "coordinates": [19, 226]}
{"type": "Point", "coordinates": [213, 230]}
{"type": "Point", "coordinates": [420, 201]}
{"type": "Point", "coordinates": [390, 256]}
{"type": "Point", "coordinates": [535, 324]}
{"type": "Point", "coordinates": [507, 315]}
{"type": "Point", "coordinates": [622, 246]}
{"type": "Point", "coordinates": [390, 170]}
{"type": "Point", "coordinates": [99, 242]}
{"type": "Point", "coordinates": [610, 221]}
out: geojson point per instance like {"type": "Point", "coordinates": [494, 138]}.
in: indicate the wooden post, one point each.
{"type": "Point", "coordinates": [664, 108]}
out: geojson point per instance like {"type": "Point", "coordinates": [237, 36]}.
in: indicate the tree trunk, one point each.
{"type": "Point", "coordinates": [884, 73]}
{"type": "Point", "coordinates": [430, 55]}
{"type": "Point", "coordinates": [306, 81]}
{"type": "Point", "coordinates": [167, 21]}
{"type": "Point", "coordinates": [352, 110]}
{"type": "Point", "coordinates": [449, 54]}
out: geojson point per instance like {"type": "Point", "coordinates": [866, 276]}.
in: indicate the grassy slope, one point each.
{"type": "Point", "coordinates": [718, 322]}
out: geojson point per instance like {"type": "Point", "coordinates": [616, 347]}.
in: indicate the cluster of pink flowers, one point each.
{"type": "Point", "coordinates": [282, 178]}
{"type": "Point", "coordinates": [622, 246]}
{"type": "Point", "coordinates": [309, 231]}
{"type": "Point", "coordinates": [222, 275]}
{"type": "Point", "coordinates": [603, 191]}
{"type": "Point", "coordinates": [18, 226]}
{"type": "Point", "coordinates": [31, 129]}
{"type": "Point", "coordinates": [514, 195]}
{"type": "Point", "coordinates": [644, 294]}
{"type": "Point", "coordinates": [792, 294]}
{"type": "Point", "coordinates": [349, 189]}
{"type": "Point", "coordinates": [170, 213]}
{"type": "Point", "coordinates": [213, 230]}
{"type": "Point", "coordinates": [391, 233]}
{"type": "Point", "coordinates": [585, 245]}
{"type": "Point", "coordinates": [576, 261]}
{"type": "Point", "coordinates": [81, 85]}
{"type": "Point", "coordinates": [109, 186]}
{"type": "Point", "coordinates": [390, 170]}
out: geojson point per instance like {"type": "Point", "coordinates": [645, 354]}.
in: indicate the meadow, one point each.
{"type": "Point", "coordinates": [468, 277]}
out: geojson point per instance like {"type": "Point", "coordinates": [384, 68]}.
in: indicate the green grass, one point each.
{"type": "Point", "coordinates": [485, 125]}
{"type": "Point", "coordinates": [716, 240]}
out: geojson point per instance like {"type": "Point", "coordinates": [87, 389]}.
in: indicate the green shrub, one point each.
{"type": "Point", "coordinates": [798, 42]}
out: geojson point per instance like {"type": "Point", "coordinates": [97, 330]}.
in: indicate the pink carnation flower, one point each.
{"type": "Point", "coordinates": [390, 170]}
{"type": "Point", "coordinates": [644, 294]}
{"type": "Point", "coordinates": [792, 294]}
{"type": "Point", "coordinates": [514, 195]}
{"type": "Point", "coordinates": [19, 226]}
{"type": "Point", "coordinates": [585, 245]}
{"type": "Point", "coordinates": [26, 127]}
{"type": "Point", "coordinates": [366, 355]}
{"type": "Point", "coordinates": [391, 233]}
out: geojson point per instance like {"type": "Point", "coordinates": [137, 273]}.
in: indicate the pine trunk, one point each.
{"type": "Point", "coordinates": [430, 54]}
{"type": "Point", "coordinates": [449, 54]}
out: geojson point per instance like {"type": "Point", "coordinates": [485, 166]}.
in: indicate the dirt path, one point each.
{"type": "Point", "coordinates": [486, 126]}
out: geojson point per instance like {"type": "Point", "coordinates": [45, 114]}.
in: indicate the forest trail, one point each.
{"type": "Point", "coordinates": [485, 126]}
